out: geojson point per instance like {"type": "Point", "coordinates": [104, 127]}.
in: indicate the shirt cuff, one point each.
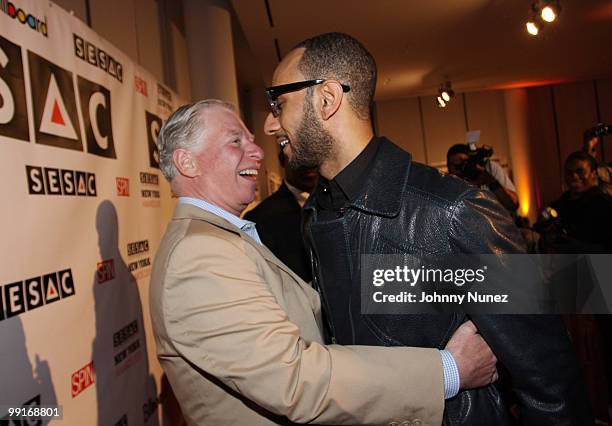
{"type": "Point", "coordinates": [451, 375]}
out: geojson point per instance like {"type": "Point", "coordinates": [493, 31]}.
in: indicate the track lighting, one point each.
{"type": "Point", "coordinates": [550, 11]}
{"type": "Point", "coordinates": [445, 93]}
{"type": "Point", "coordinates": [532, 27]}
{"type": "Point", "coordinates": [542, 12]}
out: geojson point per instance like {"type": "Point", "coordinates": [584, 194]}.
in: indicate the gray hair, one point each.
{"type": "Point", "coordinates": [183, 129]}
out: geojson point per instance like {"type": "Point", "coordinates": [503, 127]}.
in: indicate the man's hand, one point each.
{"type": "Point", "coordinates": [474, 358]}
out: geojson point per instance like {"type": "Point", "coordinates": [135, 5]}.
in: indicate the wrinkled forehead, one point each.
{"type": "Point", "coordinates": [219, 121]}
{"type": "Point", "coordinates": [287, 71]}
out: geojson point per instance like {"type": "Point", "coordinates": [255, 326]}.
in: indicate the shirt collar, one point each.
{"type": "Point", "coordinates": [218, 211]}
{"type": "Point", "coordinates": [348, 185]}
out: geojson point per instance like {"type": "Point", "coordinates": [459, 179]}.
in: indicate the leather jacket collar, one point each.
{"type": "Point", "coordinates": [390, 164]}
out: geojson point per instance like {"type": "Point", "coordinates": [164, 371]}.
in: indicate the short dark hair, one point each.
{"type": "Point", "coordinates": [340, 57]}
{"type": "Point", "coordinates": [459, 148]}
{"type": "Point", "coordinates": [581, 156]}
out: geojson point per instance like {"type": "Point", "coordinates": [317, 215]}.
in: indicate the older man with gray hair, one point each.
{"type": "Point", "coordinates": [238, 333]}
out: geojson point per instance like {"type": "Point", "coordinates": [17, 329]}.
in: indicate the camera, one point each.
{"type": "Point", "coordinates": [476, 157]}
{"type": "Point", "coordinates": [599, 130]}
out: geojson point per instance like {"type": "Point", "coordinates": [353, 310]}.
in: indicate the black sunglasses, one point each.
{"type": "Point", "coordinates": [272, 93]}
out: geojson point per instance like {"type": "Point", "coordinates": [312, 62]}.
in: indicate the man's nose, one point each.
{"type": "Point", "coordinates": [271, 125]}
{"type": "Point", "coordinates": [255, 152]}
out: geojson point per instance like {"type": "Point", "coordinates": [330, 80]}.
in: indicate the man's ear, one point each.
{"type": "Point", "coordinates": [331, 98]}
{"type": "Point", "coordinates": [185, 163]}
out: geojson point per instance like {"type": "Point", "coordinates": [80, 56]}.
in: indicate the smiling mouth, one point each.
{"type": "Point", "coordinates": [249, 173]}
{"type": "Point", "coordinates": [283, 141]}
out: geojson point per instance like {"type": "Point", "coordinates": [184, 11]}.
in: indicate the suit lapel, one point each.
{"type": "Point", "coordinates": [188, 211]}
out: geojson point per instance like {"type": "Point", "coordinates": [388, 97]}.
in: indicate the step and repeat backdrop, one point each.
{"type": "Point", "coordinates": [84, 206]}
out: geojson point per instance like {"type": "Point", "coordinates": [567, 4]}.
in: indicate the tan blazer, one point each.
{"type": "Point", "coordinates": [238, 334]}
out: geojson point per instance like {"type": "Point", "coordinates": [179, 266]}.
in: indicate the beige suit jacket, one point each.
{"type": "Point", "coordinates": [238, 334]}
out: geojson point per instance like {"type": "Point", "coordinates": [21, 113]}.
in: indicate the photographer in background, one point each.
{"type": "Point", "coordinates": [580, 221]}
{"type": "Point", "coordinates": [593, 145]}
{"type": "Point", "coordinates": [475, 166]}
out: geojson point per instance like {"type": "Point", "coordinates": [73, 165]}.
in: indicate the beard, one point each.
{"type": "Point", "coordinates": [312, 144]}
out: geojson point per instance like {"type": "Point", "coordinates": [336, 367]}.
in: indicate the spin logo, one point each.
{"type": "Point", "coordinates": [123, 187]}
{"type": "Point", "coordinates": [105, 271]}
{"type": "Point", "coordinates": [82, 379]}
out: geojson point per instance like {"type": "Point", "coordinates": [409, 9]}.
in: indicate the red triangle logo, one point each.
{"type": "Point", "coordinates": [51, 291]}
{"type": "Point", "coordinates": [56, 116]}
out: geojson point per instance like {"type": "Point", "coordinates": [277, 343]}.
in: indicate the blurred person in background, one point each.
{"type": "Point", "coordinates": [486, 174]}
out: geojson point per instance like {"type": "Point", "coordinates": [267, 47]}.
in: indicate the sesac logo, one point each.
{"type": "Point", "coordinates": [82, 379]}
{"type": "Point", "coordinates": [56, 118]}
{"type": "Point", "coordinates": [50, 181]}
{"type": "Point", "coordinates": [127, 342]}
{"type": "Point", "coordinates": [97, 57]}
{"type": "Point", "coordinates": [154, 123]}
{"type": "Point", "coordinates": [123, 187]}
{"type": "Point", "coordinates": [13, 109]}
{"type": "Point", "coordinates": [17, 297]}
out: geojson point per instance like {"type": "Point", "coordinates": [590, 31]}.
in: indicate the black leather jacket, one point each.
{"type": "Point", "coordinates": [407, 207]}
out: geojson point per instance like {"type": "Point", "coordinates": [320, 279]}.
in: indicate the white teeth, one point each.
{"type": "Point", "coordinates": [283, 141]}
{"type": "Point", "coordinates": [248, 172]}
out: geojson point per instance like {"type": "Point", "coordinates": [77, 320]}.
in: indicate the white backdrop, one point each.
{"type": "Point", "coordinates": [83, 210]}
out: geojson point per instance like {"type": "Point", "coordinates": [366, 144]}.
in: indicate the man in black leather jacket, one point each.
{"type": "Point", "coordinates": [372, 199]}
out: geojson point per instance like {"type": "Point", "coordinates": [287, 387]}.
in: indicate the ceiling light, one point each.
{"type": "Point", "coordinates": [548, 14]}
{"type": "Point", "coordinates": [445, 92]}
{"type": "Point", "coordinates": [550, 10]}
{"type": "Point", "coordinates": [532, 28]}
{"type": "Point", "coordinates": [441, 103]}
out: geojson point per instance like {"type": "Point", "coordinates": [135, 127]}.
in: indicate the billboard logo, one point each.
{"type": "Point", "coordinates": [82, 379]}
{"type": "Point", "coordinates": [123, 187]}
{"type": "Point", "coordinates": [105, 271]}
{"type": "Point", "coordinates": [51, 181]}
{"type": "Point", "coordinates": [13, 115]}
{"type": "Point", "coordinates": [23, 17]}
{"type": "Point", "coordinates": [21, 296]}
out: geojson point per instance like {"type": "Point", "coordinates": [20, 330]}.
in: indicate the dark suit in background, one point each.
{"type": "Point", "coordinates": [278, 220]}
